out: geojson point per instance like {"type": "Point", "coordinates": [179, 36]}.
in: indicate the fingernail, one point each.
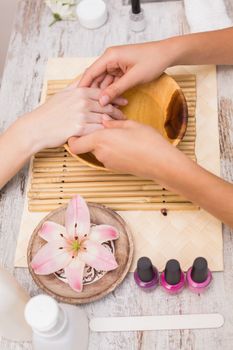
{"type": "Point", "coordinates": [125, 101]}
{"type": "Point", "coordinates": [104, 100]}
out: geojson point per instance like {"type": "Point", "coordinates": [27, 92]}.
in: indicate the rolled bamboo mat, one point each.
{"type": "Point", "coordinates": [56, 176]}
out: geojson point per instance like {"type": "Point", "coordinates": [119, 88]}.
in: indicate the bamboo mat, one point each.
{"type": "Point", "coordinates": [57, 176]}
{"type": "Point", "coordinates": [182, 234]}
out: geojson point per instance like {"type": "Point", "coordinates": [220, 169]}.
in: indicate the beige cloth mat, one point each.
{"type": "Point", "coordinates": [182, 234]}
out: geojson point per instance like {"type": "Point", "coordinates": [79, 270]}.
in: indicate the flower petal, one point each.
{"type": "Point", "coordinates": [50, 259]}
{"type": "Point", "coordinates": [103, 233]}
{"type": "Point", "coordinates": [98, 256]}
{"type": "Point", "coordinates": [51, 231]}
{"type": "Point", "coordinates": [77, 217]}
{"type": "Point", "coordinates": [74, 274]}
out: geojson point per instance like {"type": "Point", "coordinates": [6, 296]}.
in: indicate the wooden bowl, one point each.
{"type": "Point", "coordinates": [61, 291]}
{"type": "Point", "coordinates": [160, 104]}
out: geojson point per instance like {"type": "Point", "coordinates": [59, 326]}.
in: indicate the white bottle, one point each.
{"type": "Point", "coordinates": [56, 326]}
{"type": "Point", "coordinates": [13, 299]}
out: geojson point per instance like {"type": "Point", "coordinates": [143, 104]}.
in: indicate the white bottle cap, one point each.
{"type": "Point", "coordinates": [92, 13]}
{"type": "Point", "coordinates": [41, 313]}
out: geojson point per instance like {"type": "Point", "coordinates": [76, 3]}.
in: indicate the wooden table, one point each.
{"type": "Point", "coordinates": [32, 43]}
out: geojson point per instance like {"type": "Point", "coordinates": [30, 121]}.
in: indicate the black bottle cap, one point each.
{"type": "Point", "coordinates": [172, 272]}
{"type": "Point", "coordinates": [145, 269]}
{"type": "Point", "coordinates": [199, 272]}
{"type": "Point", "coordinates": [136, 8]}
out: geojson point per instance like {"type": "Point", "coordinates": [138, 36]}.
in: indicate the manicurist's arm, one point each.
{"type": "Point", "coordinates": [215, 47]}
{"type": "Point", "coordinates": [73, 111]}
{"type": "Point", "coordinates": [122, 67]}
{"type": "Point", "coordinates": [134, 148]}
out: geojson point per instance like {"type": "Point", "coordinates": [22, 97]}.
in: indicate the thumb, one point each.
{"type": "Point", "coordinates": [128, 80]}
{"type": "Point", "coordinates": [119, 124]}
{"type": "Point", "coordinates": [83, 144]}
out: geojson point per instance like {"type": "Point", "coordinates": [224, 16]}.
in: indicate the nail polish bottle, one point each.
{"type": "Point", "coordinates": [146, 275]}
{"type": "Point", "coordinates": [199, 276]}
{"type": "Point", "coordinates": [172, 279]}
{"type": "Point", "coordinates": [136, 16]}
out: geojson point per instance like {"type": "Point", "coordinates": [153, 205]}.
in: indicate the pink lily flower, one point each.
{"type": "Point", "coordinates": [73, 246]}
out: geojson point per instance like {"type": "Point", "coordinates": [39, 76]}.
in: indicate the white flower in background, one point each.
{"type": "Point", "coordinates": [61, 9]}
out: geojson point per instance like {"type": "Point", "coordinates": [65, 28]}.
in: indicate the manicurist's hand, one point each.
{"type": "Point", "coordinates": [122, 67]}
{"type": "Point", "coordinates": [130, 147]}
{"type": "Point", "coordinates": [127, 146]}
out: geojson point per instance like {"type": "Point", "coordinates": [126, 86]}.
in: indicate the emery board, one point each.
{"type": "Point", "coordinates": [151, 323]}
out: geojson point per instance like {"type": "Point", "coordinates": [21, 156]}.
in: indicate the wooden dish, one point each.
{"type": "Point", "coordinates": [160, 104]}
{"type": "Point", "coordinates": [97, 290]}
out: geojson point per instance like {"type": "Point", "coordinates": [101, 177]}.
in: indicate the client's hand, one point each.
{"type": "Point", "coordinates": [71, 112]}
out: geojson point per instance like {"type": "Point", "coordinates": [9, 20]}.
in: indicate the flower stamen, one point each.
{"type": "Point", "coordinates": [75, 246]}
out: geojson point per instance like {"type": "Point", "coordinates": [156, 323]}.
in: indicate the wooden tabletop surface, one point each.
{"type": "Point", "coordinates": [32, 43]}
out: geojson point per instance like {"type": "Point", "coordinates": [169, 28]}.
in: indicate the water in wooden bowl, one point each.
{"type": "Point", "coordinates": [160, 104]}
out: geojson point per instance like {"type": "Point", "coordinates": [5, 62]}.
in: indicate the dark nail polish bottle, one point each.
{"type": "Point", "coordinates": [146, 275]}
{"type": "Point", "coordinates": [199, 276]}
{"type": "Point", "coordinates": [172, 279]}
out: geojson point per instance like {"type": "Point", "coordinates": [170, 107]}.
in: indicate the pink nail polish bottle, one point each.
{"type": "Point", "coordinates": [172, 279]}
{"type": "Point", "coordinates": [199, 276]}
{"type": "Point", "coordinates": [146, 275]}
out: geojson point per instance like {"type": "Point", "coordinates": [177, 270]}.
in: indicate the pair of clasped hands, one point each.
{"type": "Point", "coordinates": [101, 126]}
{"type": "Point", "coordinates": [87, 115]}
{"type": "Point", "coordinates": [89, 111]}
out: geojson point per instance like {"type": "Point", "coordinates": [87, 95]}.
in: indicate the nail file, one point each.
{"type": "Point", "coordinates": [151, 323]}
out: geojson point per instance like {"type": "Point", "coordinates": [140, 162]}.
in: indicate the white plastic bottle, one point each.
{"type": "Point", "coordinates": [13, 299]}
{"type": "Point", "coordinates": [56, 326]}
